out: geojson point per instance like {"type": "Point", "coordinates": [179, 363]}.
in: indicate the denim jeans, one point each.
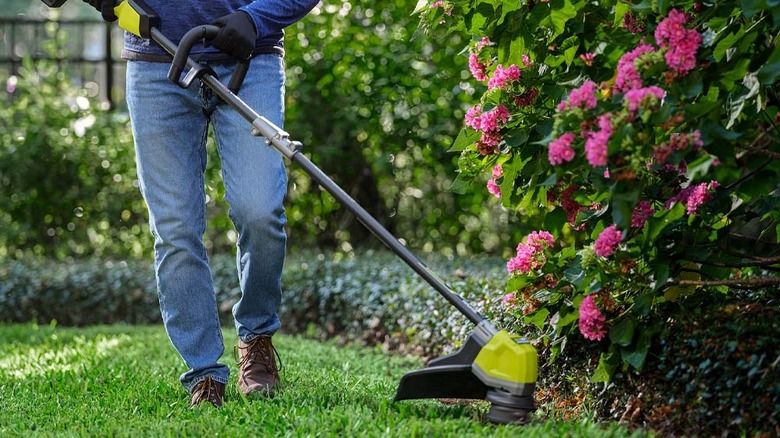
{"type": "Point", "coordinates": [170, 127]}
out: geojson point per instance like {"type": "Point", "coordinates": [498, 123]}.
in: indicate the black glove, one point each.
{"type": "Point", "coordinates": [105, 7]}
{"type": "Point", "coordinates": [237, 35]}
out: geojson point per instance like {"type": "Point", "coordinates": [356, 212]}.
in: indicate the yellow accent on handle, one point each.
{"type": "Point", "coordinates": [128, 18]}
{"type": "Point", "coordinates": [504, 359]}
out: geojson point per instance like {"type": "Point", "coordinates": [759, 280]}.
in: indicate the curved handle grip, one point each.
{"type": "Point", "coordinates": [182, 58]}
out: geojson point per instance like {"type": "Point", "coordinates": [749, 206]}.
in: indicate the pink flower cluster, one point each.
{"type": "Point", "coordinates": [592, 321]}
{"type": "Point", "coordinates": [682, 43]}
{"type": "Point", "coordinates": [677, 142]}
{"type": "Point", "coordinates": [694, 196]}
{"type": "Point", "coordinates": [627, 75]}
{"type": "Point", "coordinates": [501, 76]}
{"type": "Point", "coordinates": [478, 69]}
{"type": "Point", "coordinates": [488, 121]}
{"type": "Point", "coordinates": [641, 212]}
{"type": "Point", "coordinates": [643, 97]}
{"type": "Point", "coordinates": [492, 184]}
{"type": "Point", "coordinates": [582, 97]}
{"type": "Point", "coordinates": [596, 142]}
{"type": "Point", "coordinates": [608, 241]}
{"type": "Point", "coordinates": [559, 150]}
{"type": "Point", "coordinates": [530, 253]}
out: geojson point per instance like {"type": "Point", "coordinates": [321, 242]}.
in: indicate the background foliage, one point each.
{"type": "Point", "coordinates": [374, 108]}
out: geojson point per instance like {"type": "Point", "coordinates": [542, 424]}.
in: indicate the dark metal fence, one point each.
{"type": "Point", "coordinates": [87, 51]}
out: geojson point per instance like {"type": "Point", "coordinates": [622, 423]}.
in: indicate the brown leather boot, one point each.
{"type": "Point", "coordinates": [208, 390]}
{"type": "Point", "coordinates": [257, 369]}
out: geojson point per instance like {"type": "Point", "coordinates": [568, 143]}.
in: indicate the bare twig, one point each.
{"type": "Point", "coordinates": [749, 283]}
{"type": "Point", "coordinates": [758, 261]}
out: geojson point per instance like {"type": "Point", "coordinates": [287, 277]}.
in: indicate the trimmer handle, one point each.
{"type": "Point", "coordinates": [201, 33]}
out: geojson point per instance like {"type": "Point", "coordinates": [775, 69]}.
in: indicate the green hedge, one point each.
{"type": "Point", "coordinates": [715, 374]}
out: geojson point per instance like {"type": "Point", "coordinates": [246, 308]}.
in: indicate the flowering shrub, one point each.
{"type": "Point", "coordinates": [639, 143]}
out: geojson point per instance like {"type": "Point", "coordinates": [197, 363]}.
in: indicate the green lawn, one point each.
{"type": "Point", "coordinates": [123, 381]}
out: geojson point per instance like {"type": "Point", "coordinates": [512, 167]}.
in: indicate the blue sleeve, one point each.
{"type": "Point", "coordinates": [271, 16]}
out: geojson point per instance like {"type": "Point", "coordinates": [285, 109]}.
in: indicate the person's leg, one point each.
{"type": "Point", "coordinates": [170, 127]}
{"type": "Point", "coordinates": [255, 186]}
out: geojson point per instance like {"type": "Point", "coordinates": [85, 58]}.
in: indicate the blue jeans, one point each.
{"type": "Point", "coordinates": [170, 127]}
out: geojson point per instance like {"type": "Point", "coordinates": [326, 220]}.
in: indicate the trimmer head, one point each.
{"type": "Point", "coordinates": [492, 365]}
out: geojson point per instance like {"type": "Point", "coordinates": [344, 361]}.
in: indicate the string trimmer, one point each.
{"type": "Point", "coordinates": [492, 364]}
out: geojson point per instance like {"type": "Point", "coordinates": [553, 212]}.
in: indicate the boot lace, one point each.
{"type": "Point", "coordinates": [261, 351]}
{"type": "Point", "coordinates": [206, 389]}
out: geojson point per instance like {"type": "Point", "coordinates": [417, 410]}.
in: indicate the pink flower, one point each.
{"type": "Point", "coordinates": [587, 58]}
{"type": "Point", "coordinates": [596, 142]}
{"type": "Point", "coordinates": [591, 321]}
{"type": "Point", "coordinates": [559, 150]}
{"type": "Point", "coordinates": [10, 86]}
{"type": "Point", "coordinates": [478, 69]}
{"type": "Point", "coordinates": [627, 75]}
{"type": "Point", "coordinates": [682, 43]}
{"type": "Point", "coordinates": [501, 76]}
{"type": "Point", "coordinates": [608, 241]}
{"type": "Point", "coordinates": [509, 300]}
{"type": "Point", "coordinates": [643, 97]}
{"type": "Point", "coordinates": [440, 4]}
{"type": "Point", "coordinates": [694, 196]}
{"type": "Point", "coordinates": [641, 212]}
{"type": "Point", "coordinates": [530, 253]}
{"type": "Point", "coordinates": [526, 61]}
{"type": "Point", "coordinates": [491, 120]}
{"type": "Point", "coordinates": [493, 188]}
{"type": "Point", "coordinates": [491, 138]}
{"type": "Point", "coordinates": [498, 171]}
{"type": "Point", "coordinates": [523, 261]}
{"type": "Point", "coordinates": [539, 240]}
{"type": "Point", "coordinates": [582, 97]}
{"type": "Point", "coordinates": [474, 118]}
{"type": "Point", "coordinates": [485, 41]}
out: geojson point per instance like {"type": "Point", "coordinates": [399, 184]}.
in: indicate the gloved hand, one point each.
{"type": "Point", "coordinates": [105, 7]}
{"type": "Point", "coordinates": [237, 35]}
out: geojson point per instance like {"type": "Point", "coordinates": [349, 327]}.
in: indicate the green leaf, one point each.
{"type": "Point", "coordinates": [574, 273]}
{"type": "Point", "coordinates": [643, 304]}
{"type": "Point", "coordinates": [608, 363]}
{"type": "Point", "coordinates": [726, 43]}
{"type": "Point", "coordinates": [466, 137]}
{"type": "Point", "coordinates": [622, 333]}
{"type": "Point", "coordinates": [753, 7]}
{"type": "Point", "coordinates": [769, 73]}
{"type": "Point", "coordinates": [538, 318]}
{"type": "Point", "coordinates": [621, 9]}
{"type": "Point", "coordinates": [656, 225]}
{"type": "Point", "coordinates": [560, 15]}
{"type": "Point", "coordinates": [636, 357]}
{"type": "Point", "coordinates": [516, 283]}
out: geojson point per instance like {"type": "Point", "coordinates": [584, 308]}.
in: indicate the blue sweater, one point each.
{"type": "Point", "coordinates": [176, 17]}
